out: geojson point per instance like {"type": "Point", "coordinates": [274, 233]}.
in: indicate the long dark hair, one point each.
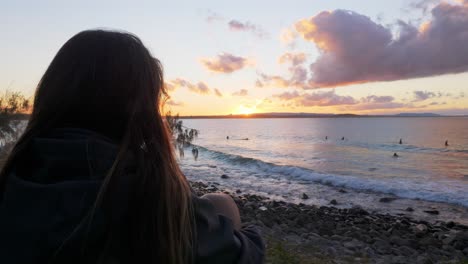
{"type": "Point", "coordinates": [108, 82]}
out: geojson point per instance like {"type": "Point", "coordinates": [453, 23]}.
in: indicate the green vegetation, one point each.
{"type": "Point", "coordinates": [279, 252]}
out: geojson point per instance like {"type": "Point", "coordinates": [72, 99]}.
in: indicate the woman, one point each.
{"type": "Point", "coordinates": [93, 179]}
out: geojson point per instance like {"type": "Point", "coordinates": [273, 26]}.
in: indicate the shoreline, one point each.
{"type": "Point", "coordinates": [300, 233]}
{"type": "Point", "coordinates": [340, 197]}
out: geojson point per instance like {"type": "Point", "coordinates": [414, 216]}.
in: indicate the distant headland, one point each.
{"type": "Point", "coordinates": [311, 115]}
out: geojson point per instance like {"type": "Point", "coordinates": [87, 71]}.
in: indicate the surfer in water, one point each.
{"type": "Point", "coordinates": [395, 155]}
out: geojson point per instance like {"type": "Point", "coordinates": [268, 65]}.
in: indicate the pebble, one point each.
{"type": "Point", "coordinates": [351, 233]}
{"type": "Point", "coordinates": [387, 199]}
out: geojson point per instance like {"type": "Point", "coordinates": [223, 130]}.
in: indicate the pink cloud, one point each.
{"type": "Point", "coordinates": [199, 88]}
{"type": "Point", "coordinates": [225, 63]}
{"type": "Point", "coordinates": [236, 25]}
{"type": "Point", "coordinates": [355, 49]}
{"type": "Point", "coordinates": [344, 102]}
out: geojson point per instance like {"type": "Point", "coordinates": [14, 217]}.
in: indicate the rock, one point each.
{"type": "Point", "coordinates": [387, 199]}
{"type": "Point", "coordinates": [353, 244]}
{"type": "Point", "coordinates": [463, 236]}
{"type": "Point", "coordinates": [262, 208]}
{"type": "Point", "coordinates": [450, 224]}
{"type": "Point", "coordinates": [399, 241]}
{"type": "Point", "coordinates": [465, 251]}
{"type": "Point", "coordinates": [382, 246]}
{"type": "Point", "coordinates": [421, 228]}
{"type": "Point", "coordinates": [238, 191]}
{"type": "Point", "coordinates": [224, 176]}
{"type": "Point", "coordinates": [334, 202]}
{"type": "Point", "coordinates": [407, 251]}
{"type": "Point", "coordinates": [304, 196]}
{"type": "Point", "coordinates": [432, 212]}
{"type": "Point", "coordinates": [429, 241]}
{"type": "Point", "coordinates": [449, 239]}
{"type": "Point", "coordinates": [423, 259]}
{"type": "Point", "coordinates": [342, 191]}
{"type": "Point", "coordinates": [409, 209]}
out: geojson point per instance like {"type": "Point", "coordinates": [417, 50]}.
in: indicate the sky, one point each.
{"type": "Point", "coordinates": [242, 57]}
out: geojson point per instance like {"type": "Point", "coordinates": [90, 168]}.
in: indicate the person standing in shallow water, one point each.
{"type": "Point", "coordinates": [94, 178]}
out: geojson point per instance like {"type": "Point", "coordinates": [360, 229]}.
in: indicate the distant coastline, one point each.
{"type": "Point", "coordinates": [311, 115]}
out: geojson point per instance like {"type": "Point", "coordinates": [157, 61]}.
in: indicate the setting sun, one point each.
{"type": "Point", "coordinates": [243, 110]}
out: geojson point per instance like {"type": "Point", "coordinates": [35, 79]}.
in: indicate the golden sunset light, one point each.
{"type": "Point", "coordinates": [246, 132]}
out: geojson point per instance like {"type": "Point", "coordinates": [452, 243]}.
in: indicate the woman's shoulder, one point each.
{"type": "Point", "coordinates": [217, 241]}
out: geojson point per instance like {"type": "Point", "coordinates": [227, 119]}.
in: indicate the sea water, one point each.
{"type": "Point", "coordinates": [326, 157]}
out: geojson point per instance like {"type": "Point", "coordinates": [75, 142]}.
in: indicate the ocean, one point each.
{"type": "Point", "coordinates": [350, 160]}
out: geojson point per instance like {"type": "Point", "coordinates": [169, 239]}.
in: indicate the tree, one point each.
{"type": "Point", "coordinates": [13, 108]}
{"type": "Point", "coordinates": [182, 135]}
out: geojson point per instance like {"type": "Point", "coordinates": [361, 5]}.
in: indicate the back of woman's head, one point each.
{"type": "Point", "coordinates": [100, 80]}
{"type": "Point", "coordinates": [108, 82]}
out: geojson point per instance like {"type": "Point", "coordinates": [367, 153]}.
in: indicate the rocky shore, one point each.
{"type": "Point", "coordinates": [299, 233]}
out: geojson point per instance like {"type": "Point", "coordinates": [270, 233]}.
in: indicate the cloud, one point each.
{"type": "Point", "coordinates": [344, 102]}
{"type": "Point", "coordinates": [225, 63]}
{"type": "Point", "coordinates": [422, 95]}
{"type": "Point", "coordinates": [288, 37]}
{"type": "Point", "coordinates": [218, 93]}
{"type": "Point", "coordinates": [294, 58]}
{"type": "Point", "coordinates": [199, 88]}
{"type": "Point", "coordinates": [174, 103]}
{"type": "Point", "coordinates": [236, 25]}
{"type": "Point", "coordinates": [298, 79]}
{"type": "Point", "coordinates": [213, 17]}
{"type": "Point", "coordinates": [329, 98]}
{"type": "Point", "coordinates": [241, 92]}
{"type": "Point", "coordinates": [377, 99]}
{"type": "Point", "coordinates": [424, 5]}
{"type": "Point", "coordinates": [355, 49]}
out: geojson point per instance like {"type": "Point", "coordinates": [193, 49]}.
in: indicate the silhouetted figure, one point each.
{"type": "Point", "coordinates": [401, 141]}
{"type": "Point", "coordinates": [181, 152]}
{"type": "Point", "coordinates": [342, 138]}
{"type": "Point", "coordinates": [395, 155]}
{"type": "Point", "coordinates": [446, 143]}
{"type": "Point", "coordinates": [227, 137]}
{"type": "Point", "coordinates": [326, 137]}
{"type": "Point", "coordinates": [195, 153]}
{"type": "Point", "coordinates": [95, 105]}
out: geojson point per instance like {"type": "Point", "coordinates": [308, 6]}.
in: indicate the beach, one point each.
{"type": "Point", "coordinates": [299, 233]}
